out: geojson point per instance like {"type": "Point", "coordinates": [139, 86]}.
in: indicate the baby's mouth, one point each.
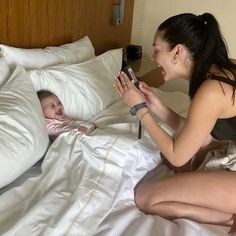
{"type": "Point", "coordinates": [59, 112]}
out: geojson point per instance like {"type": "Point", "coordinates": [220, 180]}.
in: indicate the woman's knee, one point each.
{"type": "Point", "coordinates": [147, 203]}
{"type": "Point", "coordinates": [143, 198]}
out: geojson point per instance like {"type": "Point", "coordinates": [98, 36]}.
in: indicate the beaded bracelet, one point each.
{"type": "Point", "coordinates": [144, 114]}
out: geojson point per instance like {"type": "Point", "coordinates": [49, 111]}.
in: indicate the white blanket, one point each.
{"type": "Point", "coordinates": [126, 220]}
{"type": "Point", "coordinates": [82, 176]}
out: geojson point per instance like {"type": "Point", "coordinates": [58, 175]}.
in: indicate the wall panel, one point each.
{"type": "Point", "coordinates": [39, 23]}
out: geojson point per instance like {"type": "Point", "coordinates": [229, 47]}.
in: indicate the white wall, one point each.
{"type": "Point", "coordinates": [148, 14]}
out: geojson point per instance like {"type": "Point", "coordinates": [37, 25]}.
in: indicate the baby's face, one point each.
{"type": "Point", "coordinates": [52, 107]}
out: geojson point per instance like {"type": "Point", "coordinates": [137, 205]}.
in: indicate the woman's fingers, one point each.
{"type": "Point", "coordinates": [144, 84]}
{"type": "Point", "coordinates": [122, 83]}
{"type": "Point", "coordinates": [145, 89]}
{"type": "Point", "coordinates": [120, 86]}
{"type": "Point", "coordinates": [117, 90]}
{"type": "Point", "coordinates": [124, 79]}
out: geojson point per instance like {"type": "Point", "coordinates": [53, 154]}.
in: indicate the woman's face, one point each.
{"type": "Point", "coordinates": [170, 60]}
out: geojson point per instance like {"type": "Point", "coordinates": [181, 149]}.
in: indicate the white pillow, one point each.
{"type": "Point", "coordinates": [23, 136]}
{"type": "Point", "coordinates": [5, 70]}
{"type": "Point", "coordinates": [78, 51]}
{"type": "Point", "coordinates": [85, 88]}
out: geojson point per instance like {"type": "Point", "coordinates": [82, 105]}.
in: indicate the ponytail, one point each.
{"type": "Point", "coordinates": [202, 36]}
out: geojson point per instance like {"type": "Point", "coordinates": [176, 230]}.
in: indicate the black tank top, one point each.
{"type": "Point", "coordinates": [224, 129]}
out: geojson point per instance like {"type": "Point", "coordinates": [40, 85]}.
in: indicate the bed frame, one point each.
{"type": "Point", "coordinates": [40, 23]}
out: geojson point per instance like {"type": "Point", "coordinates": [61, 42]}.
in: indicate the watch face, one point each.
{"type": "Point", "coordinates": [133, 111]}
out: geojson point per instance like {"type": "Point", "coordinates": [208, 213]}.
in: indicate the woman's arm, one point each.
{"type": "Point", "coordinates": [167, 115]}
{"type": "Point", "coordinates": [205, 108]}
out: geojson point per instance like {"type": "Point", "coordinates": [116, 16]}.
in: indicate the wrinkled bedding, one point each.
{"type": "Point", "coordinates": [86, 185]}
{"type": "Point", "coordinates": [82, 176]}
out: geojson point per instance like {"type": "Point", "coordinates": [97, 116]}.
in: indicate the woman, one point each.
{"type": "Point", "coordinates": [189, 47]}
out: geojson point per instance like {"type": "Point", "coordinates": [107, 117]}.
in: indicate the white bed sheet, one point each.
{"type": "Point", "coordinates": [86, 185]}
{"type": "Point", "coordinates": [125, 219]}
{"type": "Point", "coordinates": [80, 182]}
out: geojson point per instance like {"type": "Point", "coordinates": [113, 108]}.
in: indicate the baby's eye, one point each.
{"type": "Point", "coordinates": [52, 106]}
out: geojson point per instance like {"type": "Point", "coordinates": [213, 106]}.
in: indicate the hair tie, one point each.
{"type": "Point", "coordinates": [202, 19]}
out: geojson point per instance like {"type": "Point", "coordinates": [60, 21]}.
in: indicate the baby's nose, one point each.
{"type": "Point", "coordinates": [59, 110]}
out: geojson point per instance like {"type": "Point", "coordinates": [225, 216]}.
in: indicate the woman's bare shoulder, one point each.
{"type": "Point", "coordinates": [214, 89]}
{"type": "Point", "coordinates": [214, 96]}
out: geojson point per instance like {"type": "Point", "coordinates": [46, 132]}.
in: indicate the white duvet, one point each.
{"type": "Point", "coordinates": [86, 187]}
{"type": "Point", "coordinates": [82, 176]}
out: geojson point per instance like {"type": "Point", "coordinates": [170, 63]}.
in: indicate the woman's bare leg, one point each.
{"type": "Point", "coordinates": [175, 210]}
{"type": "Point", "coordinates": [206, 197]}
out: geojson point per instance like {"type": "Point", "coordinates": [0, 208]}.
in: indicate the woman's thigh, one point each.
{"type": "Point", "coordinates": [211, 189]}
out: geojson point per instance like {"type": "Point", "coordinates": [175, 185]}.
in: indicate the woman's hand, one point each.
{"type": "Point", "coordinates": [152, 100]}
{"type": "Point", "coordinates": [127, 90]}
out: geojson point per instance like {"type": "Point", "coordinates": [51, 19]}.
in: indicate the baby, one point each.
{"type": "Point", "coordinates": [56, 120]}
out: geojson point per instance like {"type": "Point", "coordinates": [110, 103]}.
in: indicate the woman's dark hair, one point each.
{"type": "Point", "coordinates": [202, 36]}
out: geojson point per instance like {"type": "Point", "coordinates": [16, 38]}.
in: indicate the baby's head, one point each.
{"type": "Point", "coordinates": [51, 105]}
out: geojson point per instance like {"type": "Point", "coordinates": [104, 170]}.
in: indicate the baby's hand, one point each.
{"type": "Point", "coordinates": [87, 130]}
{"type": "Point", "coordinates": [83, 129]}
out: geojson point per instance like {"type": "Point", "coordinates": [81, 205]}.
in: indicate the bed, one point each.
{"type": "Point", "coordinates": [78, 184]}
{"type": "Point", "coordinates": [84, 184]}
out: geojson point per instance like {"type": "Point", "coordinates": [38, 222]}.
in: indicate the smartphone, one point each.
{"type": "Point", "coordinates": [130, 73]}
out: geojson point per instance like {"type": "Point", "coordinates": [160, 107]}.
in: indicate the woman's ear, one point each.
{"type": "Point", "coordinates": [178, 53]}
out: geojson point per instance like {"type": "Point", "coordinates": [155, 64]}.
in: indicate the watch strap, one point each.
{"type": "Point", "coordinates": [137, 107]}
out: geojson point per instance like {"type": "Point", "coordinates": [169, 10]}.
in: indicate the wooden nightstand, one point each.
{"type": "Point", "coordinates": [147, 70]}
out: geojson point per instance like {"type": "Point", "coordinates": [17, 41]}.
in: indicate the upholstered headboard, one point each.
{"type": "Point", "coordinates": [40, 23]}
